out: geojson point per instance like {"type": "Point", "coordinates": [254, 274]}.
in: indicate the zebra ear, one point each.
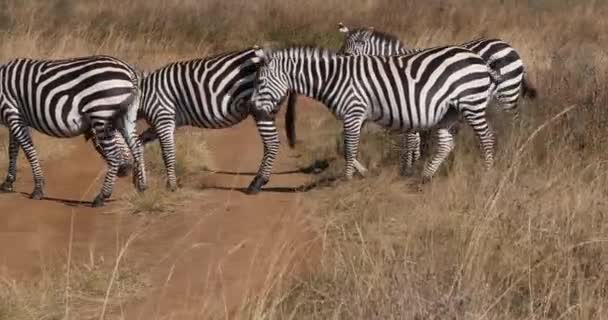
{"type": "Point", "coordinates": [263, 53]}
{"type": "Point", "coordinates": [267, 53]}
{"type": "Point", "coordinates": [259, 52]}
{"type": "Point", "coordinates": [342, 28]}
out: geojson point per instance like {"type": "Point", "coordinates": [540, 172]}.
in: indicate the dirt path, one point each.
{"type": "Point", "coordinates": [201, 261]}
{"type": "Point", "coordinates": [34, 234]}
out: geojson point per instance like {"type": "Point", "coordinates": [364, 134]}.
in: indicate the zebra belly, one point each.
{"type": "Point", "coordinates": [74, 127]}
{"type": "Point", "coordinates": [210, 119]}
{"type": "Point", "coordinates": [71, 125]}
{"type": "Point", "coordinates": [217, 123]}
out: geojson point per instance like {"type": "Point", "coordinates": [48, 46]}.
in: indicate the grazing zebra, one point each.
{"type": "Point", "coordinates": [499, 55]}
{"type": "Point", "coordinates": [94, 96]}
{"type": "Point", "coordinates": [125, 162]}
{"type": "Point", "coordinates": [426, 89]}
{"type": "Point", "coordinates": [208, 93]}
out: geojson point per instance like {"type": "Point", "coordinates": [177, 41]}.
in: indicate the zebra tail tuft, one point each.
{"type": "Point", "coordinates": [290, 119]}
{"type": "Point", "coordinates": [527, 89]}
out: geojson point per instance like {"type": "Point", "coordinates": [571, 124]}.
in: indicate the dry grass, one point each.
{"type": "Point", "coordinates": [526, 244]}
{"type": "Point", "coordinates": [192, 155]}
{"type": "Point", "coordinates": [45, 298]}
{"type": "Point", "coordinates": [194, 160]}
{"type": "Point", "coordinates": [535, 248]}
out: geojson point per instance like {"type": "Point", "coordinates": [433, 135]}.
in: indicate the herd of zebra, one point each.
{"type": "Point", "coordinates": [373, 77]}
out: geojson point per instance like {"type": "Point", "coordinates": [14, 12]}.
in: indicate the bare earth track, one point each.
{"type": "Point", "coordinates": [218, 243]}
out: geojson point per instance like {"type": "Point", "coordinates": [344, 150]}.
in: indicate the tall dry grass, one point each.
{"type": "Point", "coordinates": [529, 243]}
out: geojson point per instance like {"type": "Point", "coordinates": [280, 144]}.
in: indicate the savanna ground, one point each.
{"type": "Point", "coordinates": [527, 240]}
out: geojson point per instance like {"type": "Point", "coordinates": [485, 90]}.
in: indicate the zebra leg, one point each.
{"type": "Point", "coordinates": [352, 133]}
{"type": "Point", "coordinates": [478, 122]}
{"type": "Point", "coordinates": [360, 168]}
{"type": "Point", "coordinates": [22, 135]}
{"type": "Point", "coordinates": [126, 163]}
{"type": "Point", "coordinates": [128, 130]}
{"type": "Point", "coordinates": [166, 134]}
{"type": "Point", "coordinates": [445, 145]}
{"type": "Point", "coordinates": [410, 152]}
{"type": "Point", "coordinates": [148, 136]}
{"type": "Point", "coordinates": [270, 139]}
{"type": "Point", "coordinates": [11, 176]}
{"type": "Point", "coordinates": [510, 105]}
{"type": "Point", "coordinates": [107, 142]}
{"type": "Point", "coordinates": [139, 172]}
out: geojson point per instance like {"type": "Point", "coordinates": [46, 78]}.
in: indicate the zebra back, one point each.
{"type": "Point", "coordinates": [505, 64]}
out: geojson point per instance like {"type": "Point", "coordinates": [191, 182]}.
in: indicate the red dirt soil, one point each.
{"type": "Point", "coordinates": [201, 261]}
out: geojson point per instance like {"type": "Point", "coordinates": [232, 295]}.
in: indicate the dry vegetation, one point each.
{"type": "Point", "coordinates": [526, 241]}
{"type": "Point", "coordinates": [45, 298]}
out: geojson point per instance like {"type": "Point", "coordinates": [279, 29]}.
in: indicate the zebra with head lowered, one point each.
{"type": "Point", "coordinates": [499, 55]}
{"type": "Point", "coordinates": [94, 96]}
{"type": "Point", "coordinates": [208, 93]}
{"type": "Point", "coordinates": [423, 90]}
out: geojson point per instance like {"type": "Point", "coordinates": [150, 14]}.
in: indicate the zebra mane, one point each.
{"type": "Point", "coordinates": [380, 35]}
{"type": "Point", "coordinates": [302, 51]}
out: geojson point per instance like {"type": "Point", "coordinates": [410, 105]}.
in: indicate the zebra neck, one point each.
{"type": "Point", "coordinates": [316, 80]}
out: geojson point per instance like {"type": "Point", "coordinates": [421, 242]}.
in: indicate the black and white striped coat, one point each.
{"type": "Point", "coordinates": [212, 93]}
{"type": "Point", "coordinates": [499, 55]}
{"type": "Point", "coordinates": [411, 92]}
{"type": "Point", "coordinates": [94, 96]}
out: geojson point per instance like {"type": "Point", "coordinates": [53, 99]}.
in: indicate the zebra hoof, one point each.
{"type": "Point", "coordinates": [99, 201]}
{"type": "Point", "coordinates": [7, 187]}
{"type": "Point", "coordinates": [406, 172]}
{"type": "Point", "coordinates": [171, 186]}
{"type": "Point", "coordinates": [141, 187]}
{"type": "Point", "coordinates": [124, 169]}
{"type": "Point", "coordinates": [256, 185]}
{"type": "Point", "coordinates": [317, 167]}
{"type": "Point", "coordinates": [36, 194]}
{"type": "Point", "coordinates": [347, 178]}
{"type": "Point", "coordinates": [425, 180]}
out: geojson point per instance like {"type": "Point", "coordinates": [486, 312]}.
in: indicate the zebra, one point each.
{"type": "Point", "coordinates": [211, 92]}
{"type": "Point", "coordinates": [430, 88]}
{"type": "Point", "coordinates": [498, 54]}
{"type": "Point", "coordinates": [94, 96]}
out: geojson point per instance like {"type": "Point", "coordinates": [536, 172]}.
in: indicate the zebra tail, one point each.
{"type": "Point", "coordinates": [290, 119]}
{"type": "Point", "coordinates": [527, 89]}
{"type": "Point", "coordinates": [127, 106]}
{"type": "Point", "coordinates": [494, 74]}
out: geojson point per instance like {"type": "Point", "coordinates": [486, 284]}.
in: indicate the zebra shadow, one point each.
{"type": "Point", "coordinates": [315, 168]}
{"type": "Point", "coordinates": [67, 202]}
{"type": "Point", "coordinates": [325, 182]}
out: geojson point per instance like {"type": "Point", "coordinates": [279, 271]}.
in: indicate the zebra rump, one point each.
{"type": "Point", "coordinates": [93, 96]}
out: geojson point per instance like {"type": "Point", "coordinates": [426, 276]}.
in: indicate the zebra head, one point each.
{"type": "Point", "coordinates": [368, 41]}
{"type": "Point", "coordinates": [356, 41]}
{"type": "Point", "coordinates": [270, 87]}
